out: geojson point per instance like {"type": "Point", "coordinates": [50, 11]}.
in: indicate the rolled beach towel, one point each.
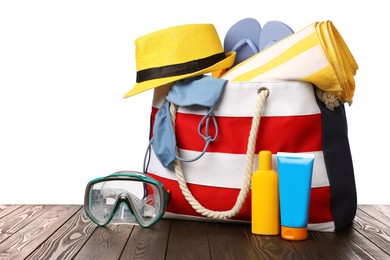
{"type": "Point", "coordinates": [316, 54]}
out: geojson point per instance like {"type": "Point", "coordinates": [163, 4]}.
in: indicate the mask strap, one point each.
{"type": "Point", "coordinates": [206, 137]}
{"type": "Point", "coordinates": [147, 156]}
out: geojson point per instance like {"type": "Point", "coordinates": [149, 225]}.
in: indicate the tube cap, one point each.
{"type": "Point", "coordinates": [290, 233]}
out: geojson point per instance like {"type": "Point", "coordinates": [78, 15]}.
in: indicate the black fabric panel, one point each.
{"type": "Point", "coordinates": [339, 165]}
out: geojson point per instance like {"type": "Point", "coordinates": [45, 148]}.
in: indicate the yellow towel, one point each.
{"type": "Point", "coordinates": [316, 54]}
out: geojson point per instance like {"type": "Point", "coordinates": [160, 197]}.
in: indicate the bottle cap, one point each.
{"type": "Point", "coordinates": [265, 160]}
{"type": "Point", "coordinates": [290, 233]}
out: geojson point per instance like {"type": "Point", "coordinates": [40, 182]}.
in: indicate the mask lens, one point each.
{"type": "Point", "coordinates": [102, 202]}
{"type": "Point", "coordinates": [123, 215]}
{"type": "Point", "coordinates": [148, 208]}
{"type": "Point", "coordinates": [142, 198]}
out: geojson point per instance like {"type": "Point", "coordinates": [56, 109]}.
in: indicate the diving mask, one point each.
{"type": "Point", "coordinates": [125, 195]}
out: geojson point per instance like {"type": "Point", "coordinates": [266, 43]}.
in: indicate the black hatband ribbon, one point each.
{"type": "Point", "coordinates": [179, 69]}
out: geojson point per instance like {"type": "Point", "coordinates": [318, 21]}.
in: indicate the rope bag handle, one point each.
{"type": "Point", "coordinates": [262, 95]}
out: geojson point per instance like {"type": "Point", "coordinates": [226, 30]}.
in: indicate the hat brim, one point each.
{"type": "Point", "coordinates": [154, 83]}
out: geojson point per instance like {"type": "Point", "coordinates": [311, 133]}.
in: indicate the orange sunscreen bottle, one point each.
{"type": "Point", "coordinates": [265, 197]}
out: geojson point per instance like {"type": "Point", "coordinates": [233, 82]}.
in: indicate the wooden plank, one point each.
{"type": "Point", "coordinates": [374, 230]}
{"type": "Point", "coordinates": [272, 247]}
{"type": "Point", "coordinates": [229, 241]}
{"type": "Point", "coordinates": [22, 243]}
{"type": "Point", "coordinates": [64, 232]}
{"type": "Point", "coordinates": [19, 218]}
{"type": "Point", "coordinates": [188, 240]}
{"type": "Point", "coordinates": [6, 209]}
{"type": "Point", "coordinates": [148, 243]}
{"type": "Point", "coordinates": [346, 244]}
{"type": "Point", "coordinates": [379, 212]}
{"type": "Point", "coordinates": [106, 242]}
{"type": "Point", "coordinates": [67, 241]}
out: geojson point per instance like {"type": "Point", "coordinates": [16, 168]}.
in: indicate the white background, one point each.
{"type": "Point", "coordinates": [65, 65]}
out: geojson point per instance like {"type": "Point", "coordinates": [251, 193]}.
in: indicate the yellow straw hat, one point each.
{"type": "Point", "coordinates": [176, 53]}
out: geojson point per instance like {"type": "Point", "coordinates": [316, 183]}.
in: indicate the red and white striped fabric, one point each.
{"type": "Point", "coordinates": [291, 122]}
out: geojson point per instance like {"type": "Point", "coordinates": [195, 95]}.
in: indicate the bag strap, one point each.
{"type": "Point", "coordinates": [250, 154]}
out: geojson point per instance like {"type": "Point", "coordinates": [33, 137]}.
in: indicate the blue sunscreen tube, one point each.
{"type": "Point", "coordinates": [295, 173]}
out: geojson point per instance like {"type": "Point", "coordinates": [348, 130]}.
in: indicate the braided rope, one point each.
{"type": "Point", "coordinates": [250, 154]}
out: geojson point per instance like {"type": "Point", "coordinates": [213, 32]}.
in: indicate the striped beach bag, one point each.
{"type": "Point", "coordinates": [280, 116]}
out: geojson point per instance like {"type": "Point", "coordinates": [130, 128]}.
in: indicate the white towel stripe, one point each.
{"type": "Point", "coordinates": [311, 59]}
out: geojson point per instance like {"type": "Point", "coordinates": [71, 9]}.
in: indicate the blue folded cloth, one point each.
{"type": "Point", "coordinates": [202, 91]}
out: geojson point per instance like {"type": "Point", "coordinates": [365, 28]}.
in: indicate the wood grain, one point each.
{"type": "Point", "coordinates": [345, 244]}
{"type": "Point", "coordinates": [373, 230]}
{"type": "Point", "coordinates": [67, 241]}
{"type": "Point", "coordinates": [148, 243]}
{"type": "Point", "coordinates": [272, 247]}
{"type": "Point", "coordinates": [28, 238]}
{"type": "Point", "coordinates": [64, 232]}
{"type": "Point", "coordinates": [378, 212]}
{"type": "Point", "coordinates": [6, 209]}
{"type": "Point", "coordinates": [230, 241]}
{"type": "Point", "coordinates": [19, 218]}
{"type": "Point", "coordinates": [106, 242]}
{"type": "Point", "coordinates": [188, 240]}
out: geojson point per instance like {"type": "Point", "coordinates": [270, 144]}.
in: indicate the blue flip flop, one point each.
{"type": "Point", "coordinates": [243, 38]}
{"type": "Point", "coordinates": [273, 31]}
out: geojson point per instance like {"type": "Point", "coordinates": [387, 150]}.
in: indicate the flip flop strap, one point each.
{"type": "Point", "coordinates": [244, 41]}
{"type": "Point", "coordinates": [250, 154]}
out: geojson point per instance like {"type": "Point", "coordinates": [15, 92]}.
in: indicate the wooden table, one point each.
{"type": "Point", "coordinates": [64, 232]}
